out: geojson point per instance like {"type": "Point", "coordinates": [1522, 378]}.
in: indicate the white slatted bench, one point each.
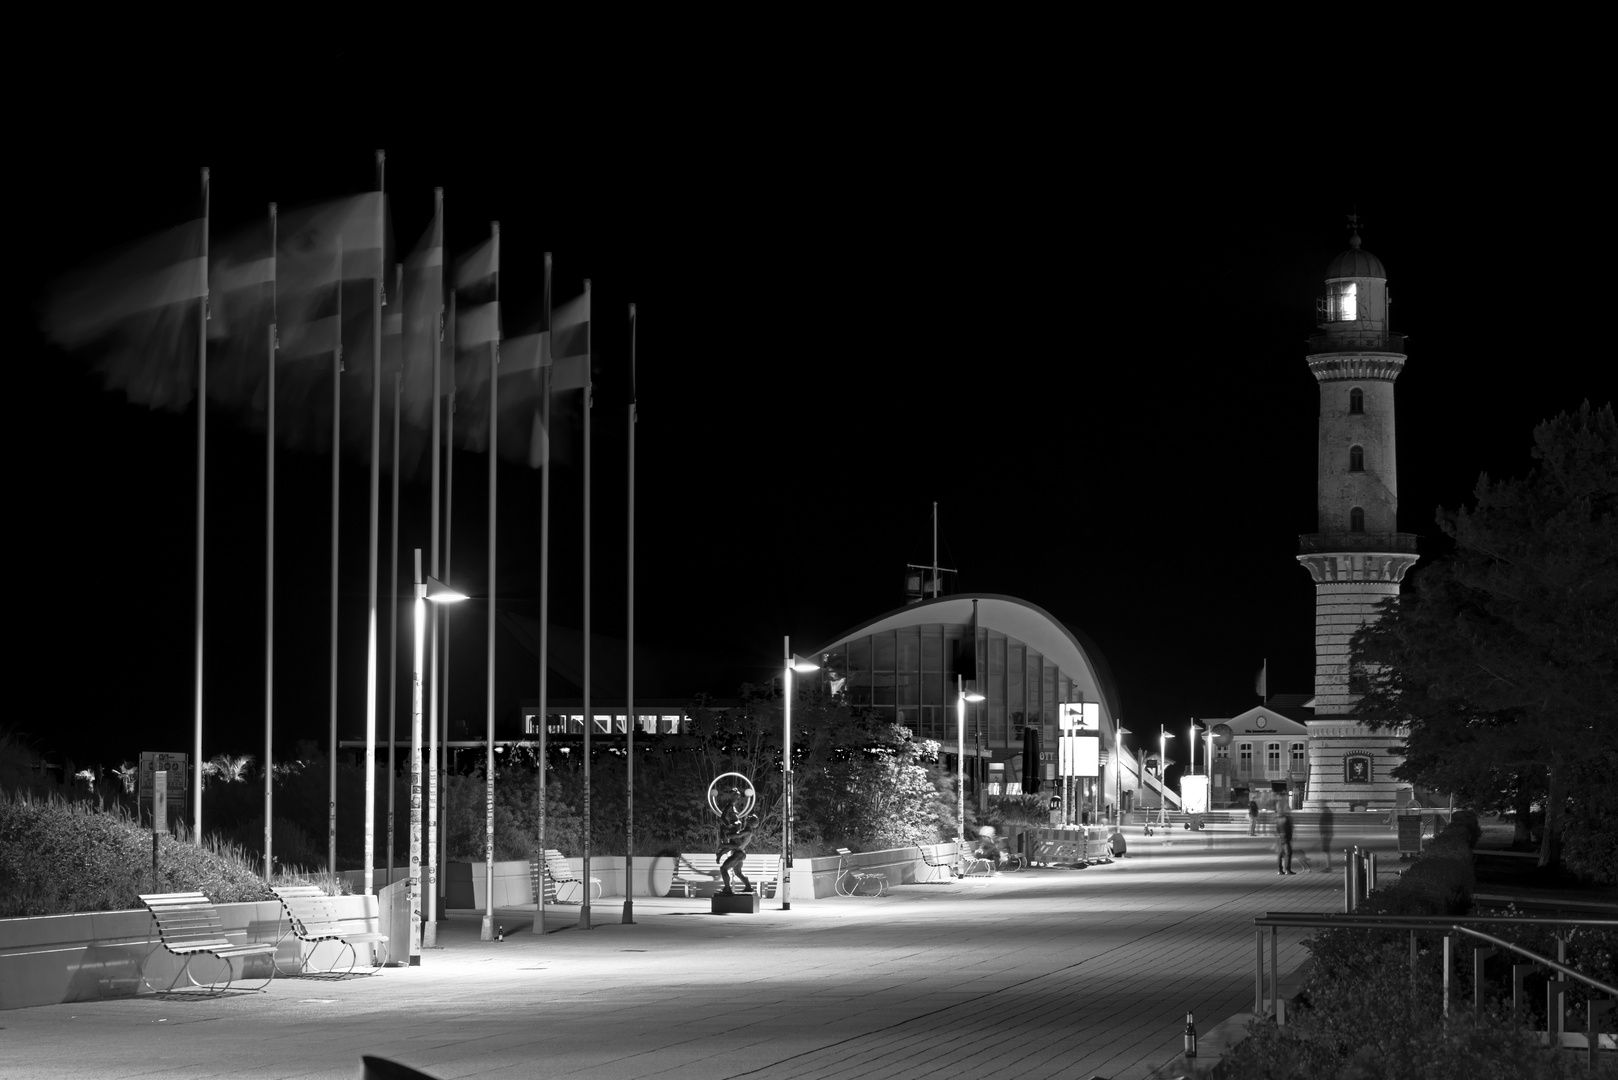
{"type": "Point", "coordinates": [564, 880]}
{"type": "Point", "coordinates": [694, 870]}
{"type": "Point", "coordinates": [313, 917]}
{"type": "Point", "coordinates": [937, 857]}
{"type": "Point", "coordinates": [188, 924]}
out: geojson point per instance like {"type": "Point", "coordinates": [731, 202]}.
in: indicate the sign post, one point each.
{"type": "Point", "coordinates": [154, 764]}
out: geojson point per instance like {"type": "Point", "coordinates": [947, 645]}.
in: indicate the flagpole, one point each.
{"type": "Point", "coordinates": [544, 592]}
{"type": "Point", "coordinates": [393, 590]}
{"type": "Point", "coordinates": [202, 476]}
{"type": "Point", "coordinates": [430, 930]}
{"type": "Point", "coordinates": [441, 812]}
{"type": "Point", "coordinates": [336, 460]}
{"type": "Point", "coordinates": [379, 298]}
{"type": "Point", "coordinates": [417, 925]}
{"type": "Point", "coordinates": [269, 562]}
{"type": "Point", "coordinates": [629, 786]}
{"type": "Point", "coordinates": [494, 458]}
{"type": "Point", "coordinates": [589, 717]}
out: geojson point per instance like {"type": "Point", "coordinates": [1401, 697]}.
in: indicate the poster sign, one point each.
{"type": "Point", "coordinates": [1080, 755]}
{"type": "Point", "coordinates": [1078, 716]}
{"type": "Point", "coordinates": [173, 764]}
{"type": "Point", "coordinates": [1194, 794]}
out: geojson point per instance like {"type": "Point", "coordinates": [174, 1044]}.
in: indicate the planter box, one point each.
{"type": "Point", "coordinates": [57, 958]}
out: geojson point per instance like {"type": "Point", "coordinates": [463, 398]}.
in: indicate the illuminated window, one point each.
{"type": "Point", "coordinates": [1356, 459]}
{"type": "Point", "coordinates": [1272, 758]}
{"type": "Point", "coordinates": [1342, 301]}
{"type": "Point", "coordinates": [1244, 765]}
{"type": "Point", "coordinates": [1356, 400]}
{"type": "Point", "coordinates": [1297, 757]}
{"type": "Point", "coordinates": [1356, 520]}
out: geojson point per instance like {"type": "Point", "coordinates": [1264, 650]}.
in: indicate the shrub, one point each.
{"type": "Point", "coordinates": [58, 857]}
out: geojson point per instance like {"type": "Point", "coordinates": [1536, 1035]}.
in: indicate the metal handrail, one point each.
{"type": "Point", "coordinates": [1447, 923]}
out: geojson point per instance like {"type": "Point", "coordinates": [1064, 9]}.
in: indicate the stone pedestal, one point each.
{"type": "Point", "coordinates": [735, 904]}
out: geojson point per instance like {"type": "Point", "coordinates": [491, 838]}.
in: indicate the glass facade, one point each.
{"type": "Point", "coordinates": [911, 674]}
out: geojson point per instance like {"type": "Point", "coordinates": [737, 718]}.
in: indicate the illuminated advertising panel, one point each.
{"type": "Point", "coordinates": [1078, 716]}
{"type": "Point", "coordinates": [1080, 755]}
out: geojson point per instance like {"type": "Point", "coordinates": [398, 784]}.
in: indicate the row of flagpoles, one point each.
{"type": "Point", "coordinates": [279, 293]}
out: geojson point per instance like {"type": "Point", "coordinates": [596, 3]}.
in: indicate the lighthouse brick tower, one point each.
{"type": "Point", "coordinates": [1357, 558]}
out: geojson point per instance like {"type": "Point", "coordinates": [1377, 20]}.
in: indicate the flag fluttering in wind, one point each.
{"type": "Point", "coordinates": [133, 310]}
{"type": "Point", "coordinates": [320, 249]}
{"type": "Point", "coordinates": [1261, 684]}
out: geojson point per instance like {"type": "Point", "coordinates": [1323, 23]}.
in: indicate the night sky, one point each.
{"type": "Point", "coordinates": [1085, 343]}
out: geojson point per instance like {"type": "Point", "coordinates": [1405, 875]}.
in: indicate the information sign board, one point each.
{"type": "Point", "coordinates": [173, 764]}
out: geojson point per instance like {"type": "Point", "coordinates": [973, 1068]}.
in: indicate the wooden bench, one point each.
{"type": "Point", "coordinates": [692, 871]}
{"type": "Point", "coordinates": [563, 879]}
{"type": "Point", "coordinates": [187, 925]}
{"type": "Point", "coordinates": [312, 918]}
{"type": "Point", "coordinates": [858, 877]}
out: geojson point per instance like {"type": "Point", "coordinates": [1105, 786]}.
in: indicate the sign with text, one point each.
{"type": "Point", "coordinates": [1080, 755]}
{"type": "Point", "coordinates": [174, 764]}
{"type": "Point", "coordinates": [1078, 716]}
{"type": "Point", "coordinates": [160, 801]}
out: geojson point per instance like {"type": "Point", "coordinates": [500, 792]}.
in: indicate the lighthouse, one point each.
{"type": "Point", "coordinates": [1356, 556]}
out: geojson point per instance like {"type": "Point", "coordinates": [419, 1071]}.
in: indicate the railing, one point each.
{"type": "Point", "coordinates": [1310, 543]}
{"type": "Point", "coordinates": [1449, 926]}
{"type": "Point", "coordinates": [1356, 340]}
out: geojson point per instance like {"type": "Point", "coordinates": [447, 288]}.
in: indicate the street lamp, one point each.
{"type": "Point", "coordinates": [1118, 771]}
{"type": "Point", "coordinates": [803, 666]}
{"type": "Point", "coordinates": [1163, 737]}
{"type": "Point", "coordinates": [439, 593]}
{"type": "Point", "coordinates": [962, 695]}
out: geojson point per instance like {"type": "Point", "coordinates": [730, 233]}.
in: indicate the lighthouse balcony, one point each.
{"type": "Point", "coordinates": [1344, 340]}
{"type": "Point", "coordinates": [1312, 543]}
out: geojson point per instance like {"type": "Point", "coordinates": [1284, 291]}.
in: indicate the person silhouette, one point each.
{"type": "Point", "coordinates": [1326, 833]}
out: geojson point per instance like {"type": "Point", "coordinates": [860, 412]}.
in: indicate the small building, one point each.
{"type": "Point", "coordinates": [1267, 759]}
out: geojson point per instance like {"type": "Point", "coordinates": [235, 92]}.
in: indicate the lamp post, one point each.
{"type": "Point", "coordinates": [1118, 772]}
{"type": "Point", "coordinates": [962, 697]}
{"type": "Point", "coordinates": [439, 593]}
{"type": "Point", "coordinates": [804, 666]}
{"type": "Point", "coordinates": [1163, 737]}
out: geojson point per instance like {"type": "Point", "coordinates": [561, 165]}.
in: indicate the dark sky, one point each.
{"type": "Point", "coordinates": [1084, 340]}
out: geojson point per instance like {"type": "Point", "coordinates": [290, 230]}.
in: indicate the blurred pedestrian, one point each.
{"type": "Point", "coordinates": [1326, 834]}
{"type": "Point", "coordinates": [1252, 817]}
{"type": "Point", "coordinates": [1283, 841]}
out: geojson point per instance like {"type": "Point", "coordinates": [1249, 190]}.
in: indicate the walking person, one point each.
{"type": "Point", "coordinates": [1283, 842]}
{"type": "Point", "coordinates": [1326, 834]}
{"type": "Point", "coordinates": [1252, 817]}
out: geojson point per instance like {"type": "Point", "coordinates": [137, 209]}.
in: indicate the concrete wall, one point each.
{"type": "Point", "coordinates": [86, 957]}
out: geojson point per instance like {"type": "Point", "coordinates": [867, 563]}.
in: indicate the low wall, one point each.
{"type": "Point", "coordinates": [465, 882]}
{"type": "Point", "coordinates": [513, 887]}
{"type": "Point", "coordinates": [52, 959]}
{"type": "Point", "coordinates": [812, 878]}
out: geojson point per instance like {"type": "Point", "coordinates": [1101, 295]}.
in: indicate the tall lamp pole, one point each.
{"type": "Point", "coordinates": [1163, 737]}
{"type": "Point", "coordinates": [1118, 772]}
{"type": "Point", "coordinates": [804, 666]}
{"type": "Point", "coordinates": [962, 696]}
{"type": "Point", "coordinates": [436, 591]}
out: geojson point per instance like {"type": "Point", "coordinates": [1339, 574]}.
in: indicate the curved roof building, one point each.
{"type": "Point", "coordinates": [1026, 662]}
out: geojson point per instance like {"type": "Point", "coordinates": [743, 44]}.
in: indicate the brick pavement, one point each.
{"type": "Point", "coordinates": [1045, 973]}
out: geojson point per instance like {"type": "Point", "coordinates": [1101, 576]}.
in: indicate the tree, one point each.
{"type": "Point", "coordinates": [1503, 658]}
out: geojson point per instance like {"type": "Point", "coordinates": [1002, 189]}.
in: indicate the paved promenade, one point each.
{"type": "Point", "coordinates": [1044, 973]}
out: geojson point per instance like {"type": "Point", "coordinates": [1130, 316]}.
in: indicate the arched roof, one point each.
{"type": "Point", "coordinates": [1071, 650]}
